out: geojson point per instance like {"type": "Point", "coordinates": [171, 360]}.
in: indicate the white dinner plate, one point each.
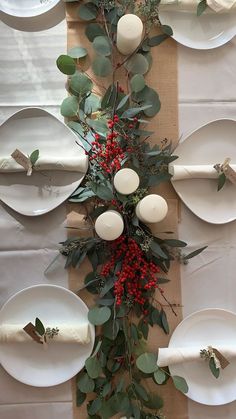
{"type": "Point", "coordinates": [210, 30]}
{"type": "Point", "coordinates": [28, 130]}
{"type": "Point", "coordinates": [210, 144]}
{"type": "Point", "coordinates": [29, 362]}
{"type": "Point", "coordinates": [27, 8]}
{"type": "Point", "coordinates": [210, 327]}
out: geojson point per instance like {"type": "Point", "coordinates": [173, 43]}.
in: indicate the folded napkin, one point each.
{"type": "Point", "coordinates": [71, 164]}
{"type": "Point", "coordinates": [181, 172]}
{"type": "Point", "coordinates": [68, 333]}
{"type": "Point", "coordinates": [171, 356]}
{"type": "Point", "coordinates": [219, 6]}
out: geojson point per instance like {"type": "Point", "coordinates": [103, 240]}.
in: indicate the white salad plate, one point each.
{"type": "Point", "coordinates": [210, 144]}
{"type": "Point", "coordinates": [209, 327]}
{"type": "Point", "coordinates": [28, 130]}
{"type": "Point", "coordinates": [210, 30]}
{"type": "Point", "coordinates": [27, 8]}
{"type": "Point", "coordinates": [30, 362]}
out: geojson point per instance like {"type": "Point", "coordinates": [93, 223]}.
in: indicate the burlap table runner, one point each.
{"type": "Point", "coordinates": [163, 78]}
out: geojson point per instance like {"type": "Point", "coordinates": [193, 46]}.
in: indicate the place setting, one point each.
{"type": "Point", "coordinates": [117, 165]}
{"type": "Point", "coordinates": [203, 25]}
{"type": "Point", "coordinates": [32, 15]}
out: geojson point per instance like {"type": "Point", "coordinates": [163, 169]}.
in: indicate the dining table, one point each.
{"type": "Point", "coordinates": [29, 78]}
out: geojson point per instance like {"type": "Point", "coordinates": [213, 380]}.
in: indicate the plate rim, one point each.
{"type": "Point", "coordinates": [38, 108]}
{"type": "Point", "coordinates": [45, 8]}
{"type": "Point", "coordinates": [92, 330]}
{"type": "Point", "coordinates": [231, 34]}
{"type": "Point", "coordinates": [181, 141]}
{"type": "Point", "coordinates": [192, 315]}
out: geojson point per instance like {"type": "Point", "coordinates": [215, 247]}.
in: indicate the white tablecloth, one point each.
{"type": "Point", "coordinates": [28, 76]}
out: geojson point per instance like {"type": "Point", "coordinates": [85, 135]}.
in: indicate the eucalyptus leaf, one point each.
{"type": "Point", "coordinates": [87, 11]}
{"type": "Point", "coordinates": [221, 181]}
{"type": "Point", "coordinates": [102, 45]}
{"type": "Point", "coordinates": [80, 398]}
{"type": "Point", "coordinates": [140, 391]}
{"type": "Point", "coordinates": [154, 401]}
{"type": "Point", "coordinates": [137, 83]}
{"type": "Point", "coordinates": [212, 365]}
{"type": "Point", "coordinates": [147, 363]}
{"type": "Point", "coordinates": [99, 125]}
{"type": "Point", "coordinates": [80, 84]}
{"type": "Point", "coordinates": [159, 376]}
{"type": "Point", "coordinates": [39, 327]}
{"type": "Point", "coordinates": [93, 30]}
{"type": "Point", "coordinates": [86, 384]}
{"type": "Point", "coordinates": [137, 64]}
{"type": "Point", "coordinates": [201, 7]}
{"type": "Point", "coordinates": [180, 383]}
{"type": "Point", "coordinates": [95, 406]}
{"type": "Point", "coordinates": [106, 389]}
{"type": "Point", "coordinates": [101, 66]}
{"type": "Point", "coordinates": [91, 104]}
{"type": "Point", "coordinates": [157, 40]}
{"type": "Point", "coordinates": [167, 30]}
{"type": "Point", "coordinates": [69, 106]}
{"type": "Point", "coordinates": [66, 64]}
{"type": "Point", "coordinates": [99, 315]}
{"type": "Point", "coordinates": [93, 367]}
{"type": "Point", "coordinates": [34, 157]}
{"type": "Point", "coordinates": [77, 52]}
{"type": "Point", "coordinates": [149, 96]}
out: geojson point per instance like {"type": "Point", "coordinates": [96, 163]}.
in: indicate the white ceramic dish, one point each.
{"type": "Point", "coordinates": [210, 144]}
{"type": "Point", "coordinates": [27, 8]}
{"type": "Point", "coordinates": [29, 362]}
{"type": "Point", "coordinates": [204, 32]}
{"type": "Point", "coordinates": [204, 328]}
{"type": "Point", "coordinates": [31, 129]}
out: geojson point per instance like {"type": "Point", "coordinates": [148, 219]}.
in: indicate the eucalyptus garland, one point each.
{"type": "Point", "coordinates": [127, 274]}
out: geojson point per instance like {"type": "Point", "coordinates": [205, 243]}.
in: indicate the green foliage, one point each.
{"type": "Point", "coordinates": [34, 157]}
{"type": "Point", "coordinates": [180, 383]}
{"type": "Point", "coordinates": [69, 107]}
{"type": "Point", "coordinates": [66, 64]}
{"type": "Point", "coordinates": [147, 363]}
{"type": "Point", "coordinates": [121, 343]}
{"type": "Point", "coordinates": [201, 7]}
{"type": "Point", "coordinates": [102, 66]}
{"type": "Point", "coordinates": [99, 315]}
{"type": "Point", "coordinates": [212, 365]}
{"type": "Point", "coordinates": [40, 329]}
{"type": "Point", "coordinates": [221, 181]}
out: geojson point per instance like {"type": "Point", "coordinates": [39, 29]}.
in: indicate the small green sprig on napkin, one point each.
{"type": "Point", "coordinates": [39, 332]}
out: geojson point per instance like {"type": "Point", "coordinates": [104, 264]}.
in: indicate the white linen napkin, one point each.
{"type": "Point", "coordinates": [219, 6]}
{"type": "Point", "coordinates": [194, 171]}
{"type": "Point", "coordinates": [171, 356]}
{"type": "Point", "coordinates": [68, 163]}
{"type": "Point", "coordinates": [68, 333]}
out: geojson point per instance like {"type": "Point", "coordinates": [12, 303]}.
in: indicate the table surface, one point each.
{"type": "Point", "coordinates": [29, 77]}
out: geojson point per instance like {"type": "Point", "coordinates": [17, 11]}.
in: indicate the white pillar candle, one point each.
{"type": "Point", "coordinates": [126, 181]}
{"type": "Point", "coordinates": [151, 209]}
{"type": "Point", "coordinates": [129, 33]}
{"type": "Point", "coordinates": [109, 225]}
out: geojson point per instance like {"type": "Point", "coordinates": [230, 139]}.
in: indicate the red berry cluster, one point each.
{"type": "Point", "coordinates": [136, 276]}
{"type": "Point", "coordinates": [110, 154]}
